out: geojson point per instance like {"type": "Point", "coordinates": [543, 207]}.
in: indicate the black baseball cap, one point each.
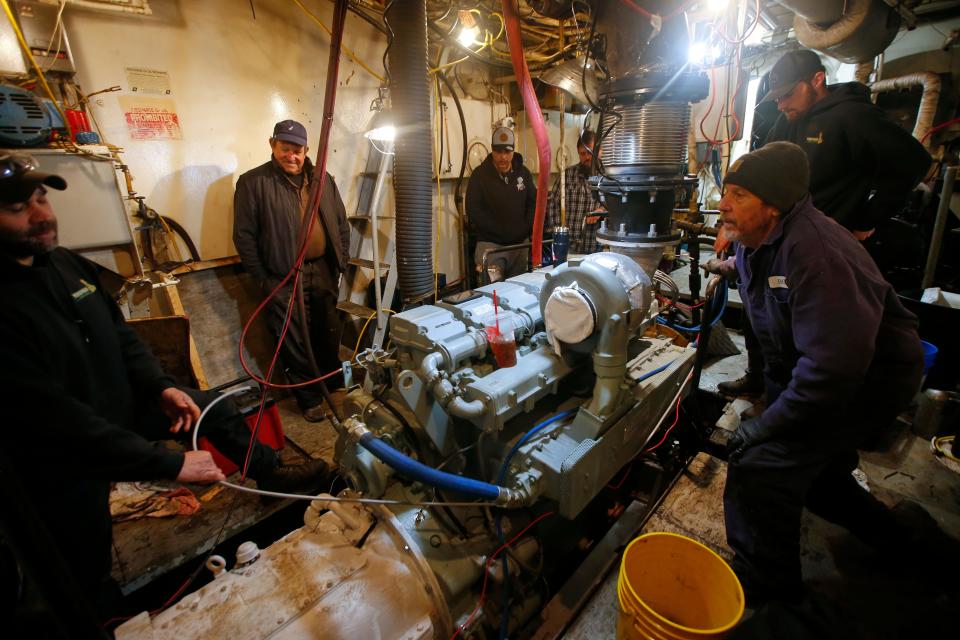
{"type": "Point", "coordinates": [790, 70]}
{"type": "Point", "coordinates": [290, 131]}
{"type": "Point", "coordinates": [19, 178]}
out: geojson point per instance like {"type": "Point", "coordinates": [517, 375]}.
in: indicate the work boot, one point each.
{"type": "Point", "coordinates": [295, 478]}
{"type": "Point", "coordinates": [316, 413]}
{"type": "Point", "coordinates": [749, 384]}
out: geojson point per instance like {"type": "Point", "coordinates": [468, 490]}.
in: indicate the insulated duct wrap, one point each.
{"type": "Point", "coordinates": [410, 96]}
{"type": "Point", "coordinates": [851, 31]}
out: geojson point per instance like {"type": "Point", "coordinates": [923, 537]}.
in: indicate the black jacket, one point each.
{"type": "Point", "coordinates": [501, 208]}
{"type": "Point", "coordinates": [855, 149]}
{"type": "Point", "coordinates": [73, 372]}
{"type": "Point", "coordinates": [266, 210]}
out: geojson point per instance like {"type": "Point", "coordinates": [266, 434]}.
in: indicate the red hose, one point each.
{"type": "Point", "coordinates": [532, 107]}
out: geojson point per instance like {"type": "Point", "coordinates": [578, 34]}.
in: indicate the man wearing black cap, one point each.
{"type": "Point", "coordinates": [83, 396]}
{"type": "Point", "coordinates": [863, 165]}
{"type": "Point", "coordinates": [501, 201]}
{"type": "Point", "coordinates": [854, 149]}
{"type": "Point", "coordinates": [842, 360]}
{"type": "Point", "coordinates": [269, 208]}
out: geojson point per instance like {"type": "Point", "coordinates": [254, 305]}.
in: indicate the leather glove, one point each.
{"type": "Point", "coordinates": [724, 268]}
{"type": "Point", "coordinates": [746, 435]}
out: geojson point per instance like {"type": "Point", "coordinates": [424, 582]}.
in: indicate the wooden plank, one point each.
{"type": "Point", "coordinates": [147, 548]}
{"type": "Point", "coordinates": [195, 363]}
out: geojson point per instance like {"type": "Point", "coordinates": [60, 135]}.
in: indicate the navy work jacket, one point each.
{"type": "Point", "coordinates": [832, 330]}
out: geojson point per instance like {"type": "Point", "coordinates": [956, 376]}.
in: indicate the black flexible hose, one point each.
{"type": "Point", "coordinates": [410, 96]}
{"type": "Point", "coordinates": [187, 240]}
{"type": "Point", "coordinates": [458, 195]}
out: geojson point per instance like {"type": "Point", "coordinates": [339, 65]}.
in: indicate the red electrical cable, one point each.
{"type": "Point", "coordinates": [940, 126]}
{"type": "Point", "coordinates": [633, 5]}
{"type": "Point", "coordinates": [532, 106]}
{"type": "Point", "coordinates": [676, 418]}
{"type": "Point", "coordinates": [486, 570]}
{"type": "Point", "coordinates": [313, 207]}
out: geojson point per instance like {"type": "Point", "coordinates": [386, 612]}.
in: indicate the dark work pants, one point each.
{"type": "Point", "coordinates": [754, 354]}
{"type": "Point", "coordinates": [769, 485]}
{"type": "Point", "coordinates": [323, 330]}
{"type": "Point", "coordinates": [223, 426]}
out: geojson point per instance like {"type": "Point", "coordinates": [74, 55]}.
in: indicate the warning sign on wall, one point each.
{"type": "Point", "coordinates": [148, 80]}
{"type": "Point", "coordinates": [151, 118]}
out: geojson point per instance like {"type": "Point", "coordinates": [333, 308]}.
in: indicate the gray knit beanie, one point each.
{"type": "Point", "coordinates": [778, 173]}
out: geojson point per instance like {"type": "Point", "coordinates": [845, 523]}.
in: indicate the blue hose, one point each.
{"type": "Point", "coordinates": [417, 471]}
{"type": "Point", "coordinates": [698, 328]}
{"type": "Point", "coordinates": [501, 475]}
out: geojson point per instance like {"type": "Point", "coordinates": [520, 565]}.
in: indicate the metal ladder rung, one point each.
{"type": "Point", "coordinates": [365, 218]}
{"type": "Point", "coordinates": [367, 264]}
{"type": "Point", "coordinates": [355, 309]}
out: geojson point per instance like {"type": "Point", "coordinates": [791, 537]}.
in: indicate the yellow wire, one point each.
{"type": "Point", "coordinates": [40, 75]}
{"type": "Point", "coordinates": [346, 50]}
{"type": "Point", "coordinates": [373, 315]}
{"type": "Point", "coordinates": [437, 208]}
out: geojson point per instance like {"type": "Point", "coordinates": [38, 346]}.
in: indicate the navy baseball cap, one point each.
{"type": "Point", "coordinates": [790, 70]}
{"type": "Point", "coordinates": [19, 178]}
{"type": "Point", "coordinates": [290, 131]}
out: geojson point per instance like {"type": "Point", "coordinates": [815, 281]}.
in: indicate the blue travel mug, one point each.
{"type": "Point", "coordinates": [561, 244]}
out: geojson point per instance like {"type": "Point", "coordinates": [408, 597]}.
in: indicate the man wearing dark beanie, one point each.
{"type": "Point", "coordinates": [863, 166]}
{"type": "Point", "coordinates": [842, 360]}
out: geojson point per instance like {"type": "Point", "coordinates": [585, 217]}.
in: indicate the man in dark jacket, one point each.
{"type": "Point", "coordinates": [83, 395]}
{"type": "Point", "coordinates": [842, 360]}
{"type": "Point", "coordinates": [269, 209]}
{"type": "Point", "coordinates": [863, 165]}
{"type": "Point", "coordinates": [501, 200]}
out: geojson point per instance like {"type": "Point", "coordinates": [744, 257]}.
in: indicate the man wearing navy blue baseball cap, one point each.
{"type": "Point", "coordinates": [269, 207]}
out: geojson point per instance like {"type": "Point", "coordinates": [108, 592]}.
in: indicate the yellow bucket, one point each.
{"type": "Point", "coordinates": [674, 588]}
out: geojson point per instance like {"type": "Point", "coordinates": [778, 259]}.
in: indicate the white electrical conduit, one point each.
{"type": "Point", "coordinates": [928, 103]}
{"type": "Point", "coordinates": [297, 496]}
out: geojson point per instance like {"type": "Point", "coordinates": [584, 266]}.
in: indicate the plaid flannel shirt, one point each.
{"type": "Point", "coordinates": [580, 202]}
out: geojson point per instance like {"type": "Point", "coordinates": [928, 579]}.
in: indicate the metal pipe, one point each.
{"type": "Point", "coordinates": [949, 175]}
{"type": "Point", "coordinates": [385, 158]}
{"type": "Point", "coordinates": [928, 102]}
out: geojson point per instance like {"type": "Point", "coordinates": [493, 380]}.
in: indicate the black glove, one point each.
{"type": "Point", "coordinates": [746, 435]}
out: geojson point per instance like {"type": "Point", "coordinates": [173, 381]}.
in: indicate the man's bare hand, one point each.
{"type": "Point", "coordinates": [199, 468]}
{"type": "Point", "coordinates": [863, 235]}
{"type": "Point", "coordinates": [180, 408]}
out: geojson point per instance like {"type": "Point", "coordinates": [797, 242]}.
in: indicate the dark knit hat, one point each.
{"type": "Point", "coordinates": [778, 173]}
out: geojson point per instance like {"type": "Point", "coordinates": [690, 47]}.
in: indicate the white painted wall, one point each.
{"type": "Point", "coordinates": [232, 77]}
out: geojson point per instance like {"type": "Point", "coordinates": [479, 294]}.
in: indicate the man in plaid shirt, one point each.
{"type": "Point", "coordinates": [580, 203]}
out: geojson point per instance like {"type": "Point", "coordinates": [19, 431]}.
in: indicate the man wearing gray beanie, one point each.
{"type": "Point", "coordinates": [842, 360]}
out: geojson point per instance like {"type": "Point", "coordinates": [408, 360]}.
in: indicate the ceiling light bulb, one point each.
{"type": "Point", "coordinates": [386, 133]}
{"type": "Point", "coordinates": [468, 36]}
{"type": "Point", "coordinates": [716, 6]}
{"type": "Point", "coordinates": [697, 53]}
